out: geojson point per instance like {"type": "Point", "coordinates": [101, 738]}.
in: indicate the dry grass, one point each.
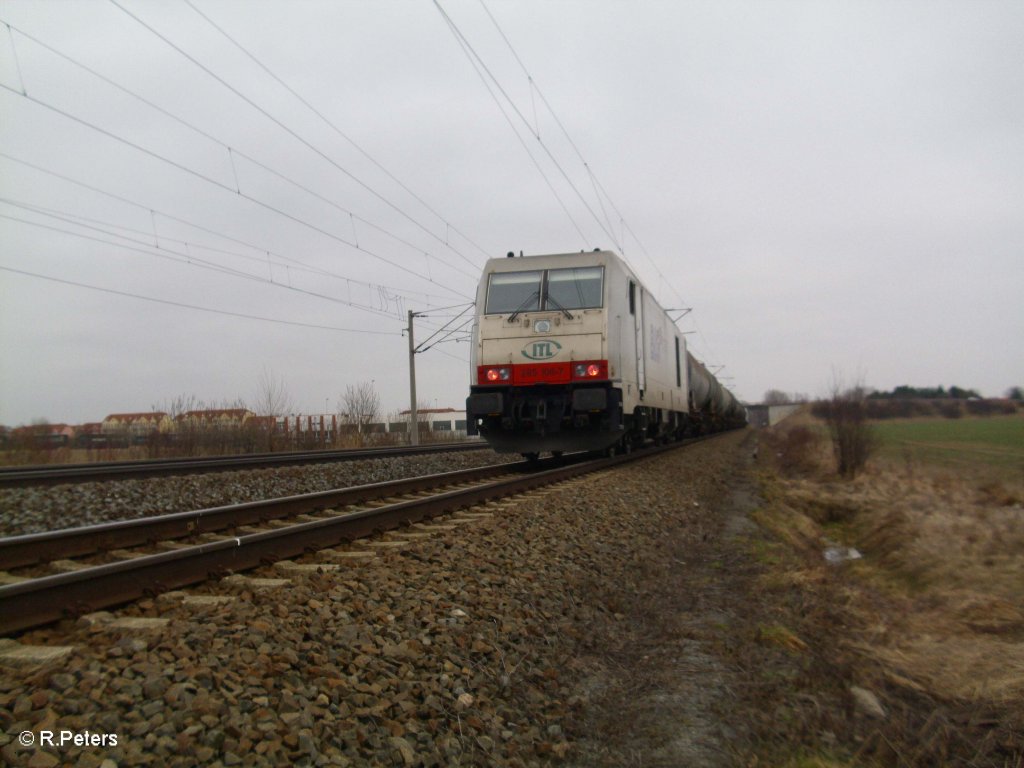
{"type": "Point", "coordinates": [956, 562]}
{"type": "Point", "coordinates": [932, 619]}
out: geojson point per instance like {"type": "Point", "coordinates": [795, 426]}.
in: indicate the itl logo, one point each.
{"type": "Point", "coordinates": [542, 349]}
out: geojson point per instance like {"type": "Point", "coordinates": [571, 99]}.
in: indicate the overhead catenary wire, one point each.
{"type": "Point", "coordinates": [225, 187]}
{"type": "Point", "coordinates": [231, 151]}
{"type": "Point", "coordinates": [599, 191]}
{"type": "Point", "coordinates": [337, 130]}
{"type": "Point", "coordinates": [535, 89]}
{"type": "Point", "coordinates": [463, 360]}
{"type": "Point", "coordinates": [194, 306]}
{"type": "Point", "coordinates": [14, 53]}
{"type": "Point", "coordinates": [193, 260]}
{"type": "Point", "coordinates": [302, 140]}
{"type": "Point", "coordinates": [450, 337]}
{"type": "Point", "coordinates": [464, 45]}
{"type": "Point", "coordinates": [467, 46]}
{"type": "Point", "coordinates": [424, 345]}
{"type": "Point", "coordinates": [352, 216]}
{"type": "Point", "coordinates": [189, 260]}
{"type": "Point", "coordinates": [300, 265]}
{"type": "Point", "coordinates": [433, 310]}
{"type": "Point", "coordinates": [480, 68]}
{"type": "Point", "coordinates": [73, 218]}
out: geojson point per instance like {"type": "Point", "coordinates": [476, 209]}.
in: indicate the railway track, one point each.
{"type": "Point", "coordinates": [183, 549]}
{"type": "Point", "coordinates": [49, 474]}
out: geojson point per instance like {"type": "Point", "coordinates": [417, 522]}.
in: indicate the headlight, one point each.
{"type": "Point", "coordinates": [597, 369]}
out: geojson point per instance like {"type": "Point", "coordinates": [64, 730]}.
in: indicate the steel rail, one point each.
{"type": "Point", "coordinates": [49, 474]}
{"type": "Point", "coordinates": [40, 601]}
{"type": "Point", "coordinates": [32, 548]}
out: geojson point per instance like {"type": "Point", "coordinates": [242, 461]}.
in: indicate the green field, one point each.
{"type": "Point", "coordinates": [971, 441]}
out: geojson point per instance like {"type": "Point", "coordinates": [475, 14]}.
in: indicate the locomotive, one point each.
{"type": "Point", "coordinates": [572, 353]}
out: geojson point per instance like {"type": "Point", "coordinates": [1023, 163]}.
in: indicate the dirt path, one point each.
{"type": "Point", "coordinates": [662, 690]}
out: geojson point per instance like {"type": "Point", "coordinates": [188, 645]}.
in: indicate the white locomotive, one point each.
{"type": "Point", "coordinates": [571, 353]}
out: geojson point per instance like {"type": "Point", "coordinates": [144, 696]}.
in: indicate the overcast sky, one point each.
{"type": "Point", "coordinates": [831, 186]}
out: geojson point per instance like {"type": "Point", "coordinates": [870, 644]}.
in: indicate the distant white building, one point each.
{"type": "Point", "coordinates": [439, 419]}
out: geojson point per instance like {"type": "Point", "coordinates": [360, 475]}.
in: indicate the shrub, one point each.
{"type": "Point", "coordinates": [853, 440]}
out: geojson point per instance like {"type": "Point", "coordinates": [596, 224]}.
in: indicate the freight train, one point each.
{"type": "Point", "coordinates": [572, 353]}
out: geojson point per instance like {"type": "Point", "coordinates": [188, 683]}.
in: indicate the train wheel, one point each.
{"type": "Point", "coordinates": [532, 456]}
{"type": "Point", "coordinates": [556, 454]}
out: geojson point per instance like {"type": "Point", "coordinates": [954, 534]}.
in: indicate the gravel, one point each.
{"type": "Point", "coordinates": [31, 510]}
{"type": "Point", "coordinates": [476, 646]}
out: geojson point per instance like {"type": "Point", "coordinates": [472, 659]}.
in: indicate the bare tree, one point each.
{"type": "Point", "coordinates": [272, 397]}
{"type": "Point", "coordinates": [271, 400]}
{"type": "Point", "coordinates": [779, 397]}
{"type": "Point", "coordinates": [184, 438]}
{"type": "Point", "coordinates": [360, 404]}
{"type": "Point", "coordinates": [853, 439]}
{"type": "Point", "coordinates": [180, 405]}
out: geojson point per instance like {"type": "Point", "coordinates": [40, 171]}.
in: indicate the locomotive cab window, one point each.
{"type": "Point", "coordinates": [551, 289]}
{"type": "Point", "coordinates": [574, 288]}
{"type": "Point", "coordinates": [513, 292]}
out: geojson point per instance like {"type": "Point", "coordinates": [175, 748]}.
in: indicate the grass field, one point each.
{"type": "Point", "coordinates": [995, 442]}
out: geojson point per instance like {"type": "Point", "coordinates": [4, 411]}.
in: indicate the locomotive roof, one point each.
{"type": "Point", "coordinates": [552, 260]}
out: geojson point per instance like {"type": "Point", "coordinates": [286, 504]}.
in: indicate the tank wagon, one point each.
{"type": "Point", "coordinates": [571, 353]}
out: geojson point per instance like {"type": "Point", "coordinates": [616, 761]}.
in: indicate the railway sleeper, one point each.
{"type": "Point", "coordinates": [290, 566]}
{"type": "Point", "coordinates": [179, 597]}
{"type": "Point", "coordinates": [13, 652]}
{"type": "Point", "coordinates": [256, 582]}
{"type": "Point", "coordinates": [347, 556]}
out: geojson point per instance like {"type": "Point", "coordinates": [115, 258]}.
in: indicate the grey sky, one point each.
{"type": "Point", "coordinates": [830, 185]}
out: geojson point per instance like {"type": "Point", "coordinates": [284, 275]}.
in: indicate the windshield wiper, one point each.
{"type": "Point", "coordinates": [551, 299]}
{"type": "Point", "coordinates": [521, 307]}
